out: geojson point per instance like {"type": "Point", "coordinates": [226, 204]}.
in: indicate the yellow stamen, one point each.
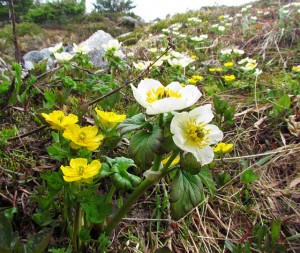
{"type": "Point", "coordinates": [160, 93]}
{"type": "Point", "coordinates": [197, 135]}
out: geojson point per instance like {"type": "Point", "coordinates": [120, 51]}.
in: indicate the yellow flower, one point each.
{"type": "Point", "coordinates": [221, 17]}
{"type": "Point", "coordinates": [229, 78]}
{"type": "Point", "coordinates": [79, 169]}
{"type": "Point", "coordinates": [228, 64]}
{"type": "Point", "coordinates": [83, 137]}
{"type": "Point", "coordinates": [193, 56]}
{"type": "Point", "coordinates": [223, 148]}
{"type": "Point", "coordinates": [110, 119]}
{"type": "Point", "coordinates": [59, 121]}
{"type": "Point", "coordinates": [296, 68]}
{"type": "Point", "coordinates": [195, 79]}
{"type": "Point", "coordinates": [174, 162]}
{"type": "Point", "coordinates": [215, 69]}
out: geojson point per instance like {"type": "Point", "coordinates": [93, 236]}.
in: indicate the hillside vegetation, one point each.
{"type": "Point", "coordinates": [188, 141]}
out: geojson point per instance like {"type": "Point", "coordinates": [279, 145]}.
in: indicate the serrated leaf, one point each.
{"type": "Point", "coordinates": [133, 123]}
{"type": "Point", "coordinates": [190, 164]}
{"type": "Point", "coordinates": [186, 193]}
{"type": "Point", "coordinates": [121, 178]}
{"type": "Point", "coordinates": [144, 144]}
{"type": "Point", "coordinates": [248, 176]}
{"type": "Point", "coordinates": [97, 209]}
{"type": "Point", "coordinates": [206, 178]}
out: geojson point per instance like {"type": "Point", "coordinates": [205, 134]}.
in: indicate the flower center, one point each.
{"type": "Point", "coordinates": [82, 136]}
{"type": "Point", "coordinates": [160, 93]}
{"type": "Point", "coordinates": [197, 135]}
{"type": "Point", "coordinates": [80, 170]}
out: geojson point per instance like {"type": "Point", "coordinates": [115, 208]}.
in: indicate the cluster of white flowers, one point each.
{"type": "Point", "coordinates": [191, 130]}
{"type": "Point", "coordinates": [249, 64]}
{"type": "Point", "coordinates": [194, 19]}
{"type": "Point", "coordinates": [179, 59]}
{"type": "Point", "coordinates": [230, 51]}
{"type": "Point", "coordinates": [200, 37]}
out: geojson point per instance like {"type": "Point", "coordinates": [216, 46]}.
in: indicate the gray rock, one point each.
{"type": "Point", "coordinates": [45, 52]}
{"type": "Point", "coordinates": [28, 65]}
{"type": "Point", "coordinates": [33, 56]}
{"type": "Point", "coordinates": [130, 20]}
{"type": "Point", "coordinates": [97, 58]}
{"type": "Point", "coordinates": [97, 40]}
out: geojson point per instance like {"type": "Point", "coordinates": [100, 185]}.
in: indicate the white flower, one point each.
{"type": "Point", "coordinates": [214, 25]}
{"type": "Point", "coordinates": [63, 57]}
{"type": "Point", "coordinates": [156, 98]}
{"type": "Point", "coordinates": [221, 28]}
{"type": "Point", "coordinates": [226, 51]}
{"type": "Point", "coordinates": [112, 45]}
{"type": "Point", "coordinates": [182, 35]}
{"type": "Point", "coordinates": [142, 65]}
{"type": "Point", "coordinates": [247, 60]}
{"type": "Point", "coordinates": [249, 66]}
{"type": "Point", "coordinates": [182, 62]}
{"type": "Point", "coordinates": [238, 51]}
{"type": "Point", "coordinates": [80, 49]}
{"type": "Point", "coordinates": [165, 30]}
{"type": "Point", "coordinates": [200, 38]}
{"type": "Point", "coordinates": [192, 133]}
{"type": "Point", "coordinates": [266, 13]}
{"type": "Point", "coordinates": [257, 72]}
{"type": "Point", "coordinates": [119, 54]}
{"type": "Point", "coordinates": [238, 15]}
{"type": "Point", "coordinates": [244, 9]}
{"type": "Point", "coordinates": [194, 19]}
{"type": "Point", "coordinates": [153, 49]}
{"type": "Point", "coordinates": [176, 54]}
{"type": "Point", "coordinates": [55, 48]}
{"type": "Point", "coordinates": [253, 18]}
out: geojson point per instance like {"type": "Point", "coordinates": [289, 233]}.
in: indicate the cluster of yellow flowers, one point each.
{"type": "Point", "coordinates": [215, 69]}
{"type": "Point", "coordinates": [223, 148]}
{"type": "Point", "coordinates": [229, 78]}
{"type": "Point", "coordinates": [296, 68]}
{"type": "Point", "coordinates": [81, 137]}
{"type": "Point", "coordinates": [195, 79]}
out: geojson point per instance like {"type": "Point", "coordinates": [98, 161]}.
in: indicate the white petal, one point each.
{"type": "Point", "coordinates": [204, 155]}
{"type": "Point", "coordinates": [139, 97]}
{"type": "Point", "coordinates": [202, 114]}
{"type": "Point", "coordinates": [191, 94]}
{"type": "Point", "coordinates": [176, 86]}
{"type": "Point", "coordinates": [178, 127]}
{"type": "Point", "coordinates": [166, 105]}
{"type": "Point", "coordinates": [215, 134]}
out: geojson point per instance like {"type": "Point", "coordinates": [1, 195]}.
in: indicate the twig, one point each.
{"type": "Point", "coordinates": [26, 134]}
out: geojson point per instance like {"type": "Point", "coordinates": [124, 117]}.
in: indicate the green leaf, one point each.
{"type": "Point", "coordinates": [282, 105]}
{"type": "Point", "coordinates": [39, 242]}
{"type": "Point", "coordinates": [206, 178]}
{"type": "Point", "coordinates": [6, 232]}
{"type": "Point", "coordinates": [190, 164]}
{"type": "Point", "coordinates": [134, 123]}
{"type": "Point", "coordinates": [229, 245]}
{"type": "Point", "coordinates": [248, 176]}
{"type": "Point", "coordinates": [56, 151]}
{"type": "Point", "coordinates": [186, 193]}
{"type": "Point", "coordinates": [144, 144]}
{"type": "Point", "coordinates": [50, 99]}
{"type": "Point", "coordinates": [260, 235]}
{"type": "Point", "coordinates": [97, 209]}
{"type": "Point", "coordinates": [275, 231]}
{"type": "Point", "coordinates": [9, 213]}
{"type": "Point", "coordinates": [121, 178]}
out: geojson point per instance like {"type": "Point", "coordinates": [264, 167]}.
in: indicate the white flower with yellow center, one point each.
{"type": "Point", "coordinates": [157, 98]}
{"type": "Point", "coordinates": [83, 49]}
{"type": "Point", "coordinates": [112, 45]}
{"type": "Point", "coordinates": [192, 133]}
{"type": "Point", "coordinates": [63, 56]}
{"type": "Point", "coordinates": [55, 48]}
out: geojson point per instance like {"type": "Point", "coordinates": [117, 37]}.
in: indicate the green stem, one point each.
{"type": "Point", "coordinates": [112, 78]}
{"type": "Point", "coordinates": [156, 162]}
{"type": "Point", "coordinates": [76, 227]}
{"type": "Point", "coordinates": [136, 194]}
{"type": "Point", "coordinates": [110, 194]}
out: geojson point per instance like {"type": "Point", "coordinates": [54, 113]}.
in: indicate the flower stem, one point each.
{"type": "Point", "coordinates": [76, 227]}
{"type": "Point", "coordinates": [136, 194]}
